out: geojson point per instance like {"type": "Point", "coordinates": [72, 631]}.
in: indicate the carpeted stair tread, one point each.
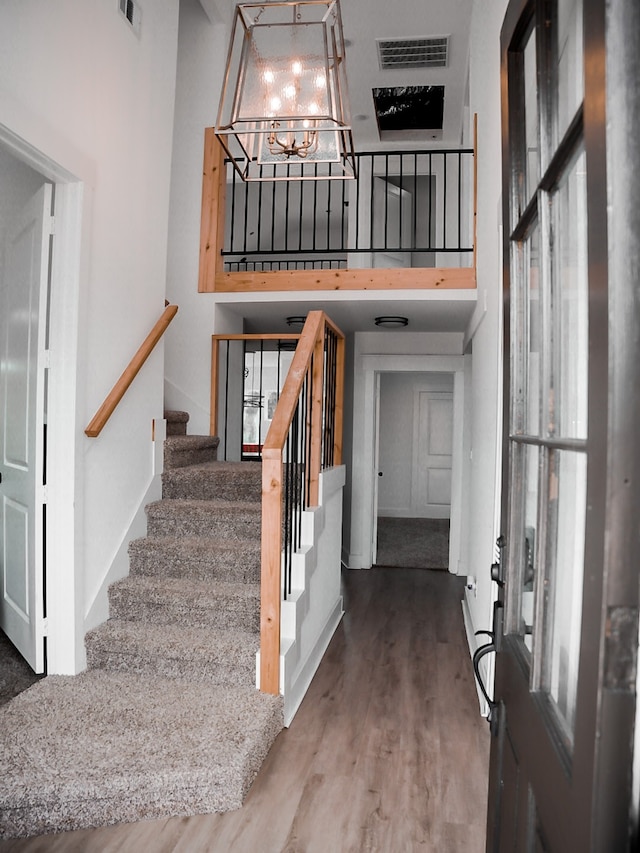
{"type": "Point", "coordinates": [181, 450]}
{"type": "Point", "coordinates": [221, 656]}
{"type": "Point", "coordinates": [211, 480]}
{"type": "Point", "coordinates": [102, 748]}
{"type": "Point", "coordinates": [196, 557]}
{"type": "Point", "coordinates": [176, 422]}
{"type": "Point", "coordinates": [168, 601]}
{"type": "Point", "coordinates": [216, 518]}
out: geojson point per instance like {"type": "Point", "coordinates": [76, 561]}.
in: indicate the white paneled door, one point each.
{"type": "Point", "coordinates": [433, 447]}
{"type": "Point", "coordinates": [22, 451]}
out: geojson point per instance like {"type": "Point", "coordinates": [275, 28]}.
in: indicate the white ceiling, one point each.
{"type": "Point", "coordinates": [365, 21]}
{"type": "Point", "coordinates": [427, 311]}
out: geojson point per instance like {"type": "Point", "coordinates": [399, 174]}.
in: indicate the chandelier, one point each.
{"type": "Point", "coordinates": [284, 100]}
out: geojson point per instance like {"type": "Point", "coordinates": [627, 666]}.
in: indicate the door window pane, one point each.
{"type": "Point", "coordinates": [569, 53]}
{"type": "Point", "coordinates": [532, 416]}
{"type": "Point", "coordinates": [563, 617]}
{"type": "Point", "coordinates": [532, 161]}
{"type": "Point", "coordinates": [570, 302]}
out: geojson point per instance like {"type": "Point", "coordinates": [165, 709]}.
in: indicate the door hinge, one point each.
{"type": "Point", "coordinates": [44, 626]}
{"type": "Point", "coordinates": [52, 225]}
{"type": "Point", "coordinates": [43, 494]}
{"type": "Point", "coordinates": [46, 359]}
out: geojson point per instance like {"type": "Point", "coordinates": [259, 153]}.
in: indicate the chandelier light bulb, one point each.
{"type": "Point", "coordinates": [268, 76]}
{"type": "Point", "coordinates": [296, 67]}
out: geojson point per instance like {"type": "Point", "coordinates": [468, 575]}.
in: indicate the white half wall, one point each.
{"type": "Point", "coordinates": [313, 610]}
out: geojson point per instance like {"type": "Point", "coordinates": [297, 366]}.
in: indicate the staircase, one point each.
{"type": "Point", "coordinates": [166, 720]}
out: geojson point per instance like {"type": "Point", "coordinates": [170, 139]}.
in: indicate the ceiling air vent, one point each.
{"type": "Point", "coordinates": [413, 53]}
{"type": "Point", "coordinates": [132, 13]}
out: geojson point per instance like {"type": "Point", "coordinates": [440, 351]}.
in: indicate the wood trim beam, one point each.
{"type": "Point", "coordinates": [339, 411]}
{"type": "Point", "coordinates": [215, 378]}
{"type": "Point", "coordinates": [435, 278]}
{"type": "Point", "coordinates": [214, 188]}
{"type": "Point", "coordinates": [317, 385]}
{"type": "Point", "coordinates": [270, 571]}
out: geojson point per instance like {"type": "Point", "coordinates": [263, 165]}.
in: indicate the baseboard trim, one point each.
{"type": "Point", "coordinates": [299, 686]}
{"type": "Point", "coordinates": [473, 644]}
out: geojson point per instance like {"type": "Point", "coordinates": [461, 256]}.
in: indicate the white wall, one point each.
{"type": "Point", "coordinates": [18, 183]}
{"type": "Point", "coordinates": [82, 93]}
{"type": "Point", "coordinates": [201, 57]}
{"type": "Point", "coordinates": [485, 327]}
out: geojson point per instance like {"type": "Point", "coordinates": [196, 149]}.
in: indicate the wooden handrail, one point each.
{"type": "Point", "coordinates": [118, 391]}
{"type": "Point", "coordinates": [311, 342]}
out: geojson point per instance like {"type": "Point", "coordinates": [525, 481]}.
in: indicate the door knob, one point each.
{"type": "Point", "coordinates": [379, 473]}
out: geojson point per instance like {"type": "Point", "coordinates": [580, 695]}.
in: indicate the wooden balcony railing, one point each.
{"type": "Point", "coordinates": [407, 221]}
{"type": "Point", "coordinates": [118, 391]}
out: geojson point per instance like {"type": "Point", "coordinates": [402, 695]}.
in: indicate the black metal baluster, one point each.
{"type": "Point", "coordinates": [459, 200]}
{"type": "Point", "coordinates": [430, 194]}
{"type": "Point", "coordinates": [233, 210]}
{"type": "Point", "coordinates": [444, 203]}
{"type": "Point", "coordinates": [260, 407]}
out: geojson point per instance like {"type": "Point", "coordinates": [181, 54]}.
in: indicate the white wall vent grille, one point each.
{"type": "Point", "coordinates": [132, 14]}
{"type": "Point", "coordinates": [413, 53]}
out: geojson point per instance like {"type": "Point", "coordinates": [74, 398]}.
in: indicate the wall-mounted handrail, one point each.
{"type": "Point", "coordinates": [118, 391]}
{"type": "Point", "coordinates": [296, 450]}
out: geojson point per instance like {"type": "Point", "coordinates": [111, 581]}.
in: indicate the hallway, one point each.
{"type": "Point", "coordinates": [387, 752]}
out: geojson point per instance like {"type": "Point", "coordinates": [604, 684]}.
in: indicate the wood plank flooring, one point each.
{"type": "Point", "coordinates": [387, 752]}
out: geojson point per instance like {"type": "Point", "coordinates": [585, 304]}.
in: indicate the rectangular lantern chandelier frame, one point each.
{"type": "Point", "coordinates": [284, 112]}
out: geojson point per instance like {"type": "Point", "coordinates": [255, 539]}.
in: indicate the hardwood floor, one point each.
{"type": "Point", "coordinates": [387, 752]}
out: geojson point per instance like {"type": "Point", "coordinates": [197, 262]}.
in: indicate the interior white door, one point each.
{"type": "Point", "coordinates": [392, 224]}
{"type": "Point", "coordinates": [22, 400]}
{"type": "Point", "coordinates": [433, 448]}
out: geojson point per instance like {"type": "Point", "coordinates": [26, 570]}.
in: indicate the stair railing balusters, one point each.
{"type": "Point", "coordinates": [304, 438]}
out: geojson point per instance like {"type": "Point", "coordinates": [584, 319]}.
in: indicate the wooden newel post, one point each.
{"type": "Point", "coordinates": [270, 592]}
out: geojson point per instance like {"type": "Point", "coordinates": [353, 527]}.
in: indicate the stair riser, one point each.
{"type": "Point", "coordinates": [225, 566]}
{"type": "Point", "coordinates": [190, 522]}
{"type": "Point", "coordinates": [214, 672]}
{"type": "Point", "coordinates": [176, 429]}
{"type": "Point", "coordinates": [181, 457]}
{"type": "Point", "coordinates": [226, 613]}
{"type": "Point", "coordinates": [210, 489]}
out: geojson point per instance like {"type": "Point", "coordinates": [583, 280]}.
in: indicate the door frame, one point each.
{"type": "Point", "coordinates": [604, 805]}
{"type": "Point", "coordinates": [64, 617]}
{"type": "Point", "coordinates": [376, 364]}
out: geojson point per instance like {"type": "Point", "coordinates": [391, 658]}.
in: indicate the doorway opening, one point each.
{"type": "Point", "coordinates": [415, 451]}
{"type": "Point", "coordinates": [49, 539]}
